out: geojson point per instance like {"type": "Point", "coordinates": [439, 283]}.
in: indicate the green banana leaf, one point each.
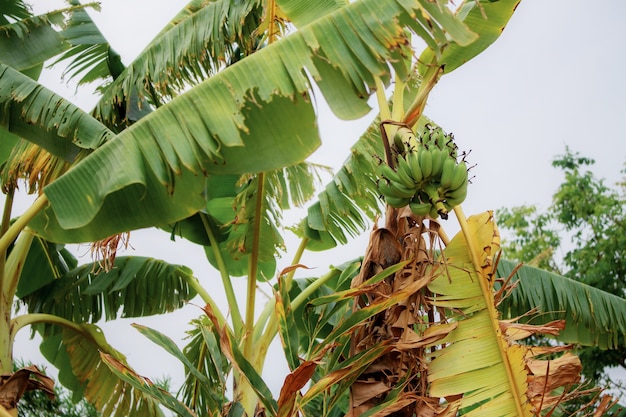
{"type": "Point", "coordinates": [91, 54]}
{"type": "Point", "coordinates": [14, 9]}
{"type": "Point", "coordinates": [592, 317]}
{"type": "Point", "coordinates": [193, 45]}
{"type": "Point", "coordinates": [76, 351]}
{"type": "Point", "coordinates": [303, 12]}
{"type": "Point", "coordinates": [45, 263]}
{"type": "Point", "coordinates": [29, 42]}
{"type": "Point", "coordinates": [203, 351]}
{"type": "Point", "coordinates": [37, 114]}
{"type": "Point", "coordinates": [134, 287]}
{"type": "Point", "coordinates": [487, 18]}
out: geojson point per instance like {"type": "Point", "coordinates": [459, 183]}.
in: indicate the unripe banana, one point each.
{"type": "Point", "coordinates": [447, 173]}
{"type": "Point", "coordinates": [439, 138]}
{"type": "Point", "coordinates": [394, 189]}
{"type": "Point", "coordinates": [397, 202]}
{"type": "Point", "coordinates": [405, 139]}
{"type": "Point", "coordinates": [459, 176]}
{"type": "Point", "coordinates": [419, 209]}
{"type": "Point", "coordinates": [437, 156]}
{"type": "Point", "coordinates": [426, 163]}
{"type": "Point", "coordinates": [452, 149]}
{"type": "Point", "coordinates": [405, 173]}
{"type": "Point", "coordinates": [385, 171]}
{"type": "Point", "coordinates": [436, 200]}
{"type": "Point", "coordinates": [456, 197]}
{"type": "Point", "coordinates": [416, 170]}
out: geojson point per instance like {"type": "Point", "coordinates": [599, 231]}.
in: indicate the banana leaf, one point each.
{"type": "Point", "coordinates": [592, 317]}
{"type": "Point", "coordinates": [475, 360]}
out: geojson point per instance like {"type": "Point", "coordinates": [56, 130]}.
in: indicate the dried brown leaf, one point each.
{"type": "Point", "coordinates": [547, 375]}
{"type": "Point", "coordinates": [518, 331]}
{"type": "Point", "coordinates": [29, 378]}
{"type": "Point", "coordinates": [363, 391]}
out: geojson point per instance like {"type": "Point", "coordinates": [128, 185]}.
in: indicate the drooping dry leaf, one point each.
{"type": "Point", "coordinates": [29, 378]}
{"type": "Point", "coordinates": [548, 375]}
{"type": "Point", "coordinates": [294, 382]}
{"type": "Point", "coordinates": [518, 331]}
{"type": "Point", "coordinates": [363, 391]}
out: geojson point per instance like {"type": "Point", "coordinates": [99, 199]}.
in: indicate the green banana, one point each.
{"type": "Point", "coordinates": [397, 202]}
{"type": "Point", "coordinates": [459, 176]}
{"type": "Point", "coordinates": [404, 139]}
{"type": "Point", "coordinates": [456, 197]}
{"type": "Point", "coordinates": [437, 156]}
{"type": "Point", "coordinates": [426, 162]}
{"type": "Point", "coordinates": [447, 173]}
{"type": "Point", "coordinates": [419, 209]}
{"type": "Point", "coordinates": [439, 138]}
{"type": "Point", "coordinates": [414, 163]}
{"type": "Point", "coordinates": [435, 200]}
{"type": "Point", "coordinates": [394, 189]}
{"type": "Point", "coordinates": [405, 173]}
{"type": "Point", "coordinates": [385, 171]}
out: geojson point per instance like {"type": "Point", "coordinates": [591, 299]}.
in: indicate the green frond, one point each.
{"type": "Point", "coordinates": [486, 18]}
{"type": "Point", "coordinates": [203, 351]}
{"type": "Point", "coordinates": [91, 56]}
{"type": "Point", "coordinates": [303, 12]}
{"type": "Point", "coordinates": [134, 287]}
{"type": "Point", "coordinates": [195, 45]}
{"type": "Point", "coordinates": [76, 353]}
{"type": "Point", "coordinates": [14, 10]}
{"type": "Point", "coordinates": [45, 263]}
{"type": "Point", "coordinates": [349, 199]}
{"type": "Point", "coordinates": [31, 111]}
{"type": "Point", "coordinates": [27, 43]}
{"type": "Point", "coordinates": [592, 317]}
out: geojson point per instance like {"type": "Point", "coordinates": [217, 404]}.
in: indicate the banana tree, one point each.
{"type": "Point", "coordinates": [188, 138]}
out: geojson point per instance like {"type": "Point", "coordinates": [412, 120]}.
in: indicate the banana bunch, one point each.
{"type": "Point", "coordinates": [428, 177]}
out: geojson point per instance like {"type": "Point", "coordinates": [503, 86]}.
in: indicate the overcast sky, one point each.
{"type": "Point", "coordinates": [553, 79]}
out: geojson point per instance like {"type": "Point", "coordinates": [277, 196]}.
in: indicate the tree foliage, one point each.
{"type": "Point", "coordinates": [581, 235]}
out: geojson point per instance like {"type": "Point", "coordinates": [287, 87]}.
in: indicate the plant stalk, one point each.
{"type": "Point", "coordinates": [9, 236]}
{"type": "Point", "coordinates": [247, 396]}
{"type": "Point", "coordinates": [429, 81]}
{"type": "Point", "coordinates": [228, 286]}
{"type": "Point", "coordinates": [206, 297]}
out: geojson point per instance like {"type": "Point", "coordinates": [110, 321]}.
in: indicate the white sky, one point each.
{"type": "Point", "coordinates": [554, 78]}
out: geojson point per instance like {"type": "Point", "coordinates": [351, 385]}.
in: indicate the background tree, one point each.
{"type": "Point", "coordinates": [582, 235]}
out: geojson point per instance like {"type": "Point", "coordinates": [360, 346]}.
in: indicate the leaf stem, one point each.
{"type": "Point", "coordinates": [247, 396]}
{"type": "Point", "coordinates": [206, 297]}
{"type": "Point", "coordinates": [20, 223]}
{"type": "Point", "coordinates": [263, 340]}
{"type": "Point", "coordinates": [228, 285]}
{"type": "Point", "coordinates": [4, 226]}
{"type": "Point", "coordinates": [397, 101]}
{"type": "Point", "coordinates": [15, 263]}
{"type": "Point", "coordinates": [253, 267]}
{"type": "Point", "coordinates": [28, 319]}
{"type": "Point", "coordinates": [383, 107]}
{"type": "Point", "coordinates": [414, 112]}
